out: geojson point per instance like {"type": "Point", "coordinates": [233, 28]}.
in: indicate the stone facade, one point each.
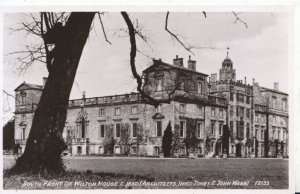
{"type": "Point", "coordinates": [196, 108]}
{"type": "Point", "coordinates": [255, 113]}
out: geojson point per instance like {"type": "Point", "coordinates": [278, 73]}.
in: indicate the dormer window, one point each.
{"type": "Point", "coordinates": [199, 87]}
{"type": "Point", "coordinates": [23, 98]}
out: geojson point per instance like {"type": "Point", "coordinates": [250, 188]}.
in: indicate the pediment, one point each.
{"type": "Point", "coordinates": [158, 116]}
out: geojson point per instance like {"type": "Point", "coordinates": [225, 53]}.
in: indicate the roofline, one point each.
{"type": "Point", "coordinates": [175, 67]}
{"type": "Point", "coordinates": [275, 91]}
{"type": "Point", "coordinates": [30, 87]}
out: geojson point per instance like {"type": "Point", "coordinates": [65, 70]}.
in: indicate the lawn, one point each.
{"type": "Point", "coordinates": [190, 171]}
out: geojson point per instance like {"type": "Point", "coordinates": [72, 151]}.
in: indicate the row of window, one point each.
{"type": "Point", "coordinates": [182, 85]}
{"type": "Point", "coordinates": [239, 97]}
{"type": "Point", "coordinates": [274, 103]}
{"type": "Point", "coordinates": [199, 129]}
{"type": "Point", "coordinates": [240, 129]}
{"type": "Point", "coordinates": [133, 132]}
{"type": "Point", "coordinates": [213, 113]}
{"type": "Point", "coordinates": [117, 111]}
{"type": "Point", "coordinates": [240, 112]}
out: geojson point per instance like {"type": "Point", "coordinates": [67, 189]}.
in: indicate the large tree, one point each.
{"type": "Point", "coordinates": [45, 144]}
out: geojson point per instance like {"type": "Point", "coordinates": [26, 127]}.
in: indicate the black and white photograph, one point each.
{"type": "Point", "coordinates": [161, 99]}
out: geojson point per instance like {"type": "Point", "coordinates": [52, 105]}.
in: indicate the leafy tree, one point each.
{"type": "Point", "coordinates": [167, 141]}
{"type": "Point", "coordinates": [191, 141]}
{"type": "Point", "coordinates": [8, 134]}
{"type": "Point", "coordinates": [176, 140]}
{"type": "Point", "coordinates": [125, 139]}
{"type": "Point", "coordinates": [109, 141]}
{"type": "Point", "coordinates": [225, 139]}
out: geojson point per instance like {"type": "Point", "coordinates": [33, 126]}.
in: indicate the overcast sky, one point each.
{"type": "Point", "coordinates": [259, 51]}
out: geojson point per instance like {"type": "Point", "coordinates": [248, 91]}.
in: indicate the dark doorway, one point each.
{"type": "Point", "coordinates": [238, 150]}
{"type": "Point", "coordinates": [217, 148]}
{"type": "Point", "coordinates": [79, 150]}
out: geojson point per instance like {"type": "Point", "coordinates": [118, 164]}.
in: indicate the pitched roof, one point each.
{"type": "Point", "coordinates": [26, 86]}
{"type": "Point", "coordinates": [159, 62]}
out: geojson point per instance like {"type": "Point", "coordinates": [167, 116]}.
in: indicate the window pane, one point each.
{"type": "Point", "coordinates": [118, 130]}
{"type": "Point", "coordinates": [134, 130]}
{"type": "Point", "coordinates": [158, 129]}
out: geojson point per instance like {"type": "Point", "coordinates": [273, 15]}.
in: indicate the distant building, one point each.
{"type": "Point", "coordinates": [197, 111]}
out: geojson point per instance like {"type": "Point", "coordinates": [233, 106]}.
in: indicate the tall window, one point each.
{"type": "Point", "coordinates": [238, 129]}
{"type": "Point", "coordinates": [220, 129]}
{"type": "Point", "coordinates": [159, 84]}
{"type": "Point", "coordinates": [159, 108]}
{"type": "Point", "coordinates": [231, 96]}
{"type": "Point", "coordinates": [221, 113]}
{"type": "Point", "coordinates": [199, 87]}
{"type": "Point", "coordinates": [182, 108]}
{"type": "Point", "coordinates": [101, 112]}
{"type": "Point", "coordinates": [248, 113]}
{"type": "Point", "coordinates": [23, 133]}
{"type": "Point", "coordinates": [134, 129]}
{"type": "Point", "coordinates": [182, 128]}
{"type": "Point", "coordinates": [212, 129]}
{"type": "Point", "coordinates": [213, 112]}
{"type": "Point", "coordinates": [262, 134]}
{"type": "Point", "coordinates": [231, 127]}
{"type": "Point", "coordinates": [231, 111]}
{"type": "Point", "coordinates": [102, 131]}
{"type": "Point", "coordinates": [237, 111]}
{"type": "Point", "coordinates": [242, 111]}
{"type": "Point", "coordinates": [158, 129]}
{"type": "Point", "coordinates": [284, 104]}
{"type": "Point", "coordinates": [23, 98]}
{"type": "Point", "coordinates": [248, 130]}
{"type": "Point", "coordinates": [117, 111]}
{"type": "Point", "coordinates": [241, 98]}
{"type": "Point", "coordinates": [118, 130]}
{"type": "Point", "coordinates": [274, 102]}
{"type": "Point", "coordinates": [248, 100]}
{"type": "Point", "coordinates": [241, 129]}
{"type": "Point", "coordinates": [199, 110]}
{"type": "Point", "coordinates": [23, 118]}
{"type": "Point", "coordinates": [199, 130]}
{"type": "Point", "coordinates": [134, 110]}
{"type": "Point", "coordinates": [182, 84]}
{"type": "Point", "coordinates": [278, 134]}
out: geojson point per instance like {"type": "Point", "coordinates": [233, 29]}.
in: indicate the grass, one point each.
{"type": "Point", "coordinates": [93, 170]}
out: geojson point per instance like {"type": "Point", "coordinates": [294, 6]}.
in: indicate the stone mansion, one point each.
{"type": "Point", "coordinates": [199, 106]}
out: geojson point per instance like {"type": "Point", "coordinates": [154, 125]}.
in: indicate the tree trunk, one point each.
{"type": "Point", "coordinates": [45, 143]}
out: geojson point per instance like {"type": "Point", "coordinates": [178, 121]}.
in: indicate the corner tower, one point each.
{"type": "Point", "coordinates": [227, 72]}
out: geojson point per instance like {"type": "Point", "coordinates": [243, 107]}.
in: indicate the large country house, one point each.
{"type": "Point", "coordinates": [198, 109]}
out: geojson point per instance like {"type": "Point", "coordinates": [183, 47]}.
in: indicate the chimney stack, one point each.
{"type": "Point", "coordinates": [276, 86]}
{"type": "Point", "coordinates": [178, 61]}
{"type": "Point", "coordinates": [245, 80]}
{"type": "Point", "coordinates": [44, 81]}
{"type": "Point", "coordinates": [191, 64]}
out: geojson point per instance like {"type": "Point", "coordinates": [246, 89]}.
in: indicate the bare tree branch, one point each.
{"type": "Point", "coordinates": [176, 35]}
{"type": "Point", "coordinates": [238, 19]}
{"type": "Point", "coordinates": [103, 29]}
